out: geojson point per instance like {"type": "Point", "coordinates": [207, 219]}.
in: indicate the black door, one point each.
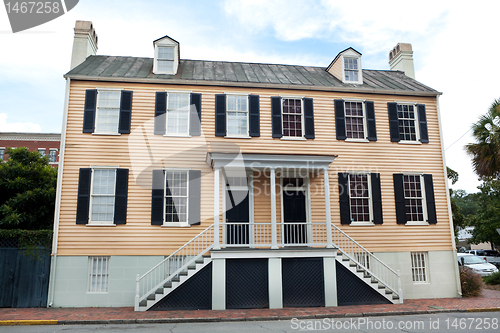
{"type": "Point", "coordinates": [294, 206]}
{"type": "Point", "coordinates": [237, 217]}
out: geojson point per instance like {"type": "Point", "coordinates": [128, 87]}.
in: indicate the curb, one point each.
{"type": "Point", "coordinates": [27, 322]}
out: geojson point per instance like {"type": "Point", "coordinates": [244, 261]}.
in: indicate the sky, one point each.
{"type": "Point", "coordinates": [455, 50]}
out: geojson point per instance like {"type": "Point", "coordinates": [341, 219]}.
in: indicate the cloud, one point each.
{"type": "Point", "coordinates": [17, 127]}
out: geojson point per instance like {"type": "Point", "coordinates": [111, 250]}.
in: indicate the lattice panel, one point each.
{"type": "Point", "coordinates": [352, 291]}
{"type": "Point", "coordinates": [194, 294]}
{"type": "Point", "coordinates": [9, 243]}
{"type": "Point", "coordinates": [303, 282]}
{"type": "Point", "coordinates": [247, 284]}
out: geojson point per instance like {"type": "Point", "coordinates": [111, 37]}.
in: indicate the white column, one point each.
{"type": "Point", "coordinates": [330, 276]}
{"type": "Point", "coordinates": [329, 242]}
{"type": "Point", "coordinates": [275, 284]}
{"type": "Point", "coordinates": [216, 209]}
{"type": "Point", "coordinates": [274, 233]}
{"type": "Point", "coordinates": [219, 284]}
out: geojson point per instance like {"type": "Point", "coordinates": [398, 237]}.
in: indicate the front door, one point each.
{"type": "Point", "coordinates": [294, 211]}
{"type": "Point", "coordinates": [237, 216]}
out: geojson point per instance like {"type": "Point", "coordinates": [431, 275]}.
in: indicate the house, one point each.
{"type": "Point", "coordinates": [44, 143]}
{"type": "Point", "coordinates": [190, 184]}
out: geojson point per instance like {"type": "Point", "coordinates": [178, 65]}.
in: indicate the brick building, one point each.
{"type": "Point", "coordinates": [45, 143]}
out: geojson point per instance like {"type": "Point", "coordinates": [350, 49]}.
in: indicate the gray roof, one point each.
{"type": "Point", "coordinates": [223, 73]}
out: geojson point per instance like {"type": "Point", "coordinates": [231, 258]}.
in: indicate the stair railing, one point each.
{"type": "Point", "coordinates": [172, 265]}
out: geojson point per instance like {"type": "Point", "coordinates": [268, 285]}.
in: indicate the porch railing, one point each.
{"type": "Point", "coordinates": [172, 265]}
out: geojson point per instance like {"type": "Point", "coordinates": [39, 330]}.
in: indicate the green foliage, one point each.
{"type": "Point", "coordinates": [467, 202]}
{"type": "Point", "coordinates": [471, 283]}
{"type": "Point", "coordinates": [32, 242]}
{"type": "Point", "coordinates": [452, 175]}
{"type": "Point", "coordinates": [487, 219]}
{"type": "Point", "coordinates": [493, 278]}
{"type": "Point", "coordinates": [27, 191]}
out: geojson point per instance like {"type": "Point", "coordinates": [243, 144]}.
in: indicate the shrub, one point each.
{"type": "Point", "coordinates": [471, 282]}
{"type": "Point", "coordinates": [493, 278]}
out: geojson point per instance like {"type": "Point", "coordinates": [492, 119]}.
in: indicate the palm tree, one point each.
{"type": "Point", "coordinates": [485, 152]}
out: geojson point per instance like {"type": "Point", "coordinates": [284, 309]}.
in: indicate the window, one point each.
{"type": "Point", "coordinates": [102, 204]}
{"type": "Point", "coordinates": [108, 111]}
{"type": "Point", "coordinates": [2, 154]}
{"type": "Point", "coordinates": [351, 70]}
{"type": "Point", "coordinates": [408, 122]}
{"type": "Point", "coordinates": [176, 196]}
{"type": "Point", "coordinates": [414, 197]}
{"type": "Point", "coordinates": [98, 274]}
{"type": "Point", "coordinates": [165, 59]}
{"type": "Point", "coordinates": [52, 155]}
{"type": "Point", "coordinates": [237, 115]}
{"type": "Point", "coordinates": [355, 120]}
{"type": "Point", "coordinates": [178, 113]}
{"type": "Point", "coordinates": [407, 119]}
{"type": "Point", "coordinates": [419, 267]}
{"type": "Point", "coordinates": [359, 191]}
{"type": "Point", "coordinates": [41, 151]}
{"type": "Point", "coordinates": [292, 117]}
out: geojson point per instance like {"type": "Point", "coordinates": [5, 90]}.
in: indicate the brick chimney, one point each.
{"type": "Point", "coordinates": [84, 43]}
{"type": "Point", "coordinates": [401, 58]}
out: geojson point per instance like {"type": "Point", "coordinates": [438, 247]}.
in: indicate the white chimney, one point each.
{"type": "Point", "coordinates": [84, 44]}
{"type": "Point", "coordinates": [401, 59]}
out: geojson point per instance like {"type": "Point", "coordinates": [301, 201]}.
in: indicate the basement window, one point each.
{"type": "Point", "coordinates": [419, 267]}
{"type": "Point", "coordinates": [98, 274]}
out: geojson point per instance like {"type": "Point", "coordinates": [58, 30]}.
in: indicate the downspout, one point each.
{"type": "Point", "coordinates": [450, 213]}
{"type": "Point", "coordinates": [53, 265]}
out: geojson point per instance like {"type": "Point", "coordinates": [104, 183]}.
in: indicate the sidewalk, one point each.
{"type": "Point", "coordinates": [489, 301]}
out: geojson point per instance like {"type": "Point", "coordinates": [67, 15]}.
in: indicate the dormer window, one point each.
{"type": "Point", "coordinates": [166, 59]}
{"type": "Point", "coordinates": [351, 70]}
{"type": "Point", "coordinates": [347, 67]}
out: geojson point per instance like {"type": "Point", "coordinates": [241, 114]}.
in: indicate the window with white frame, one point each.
{"type": "Point", "coordinates": [165, 60]}
{"type": "Point", "coordinates": [237, 115]}
{"type": "Point", "coordinates": [351, 70]}
{"type": "Point", "coordinates": [407, 121]}
{"type": "Point", "coordinates": [355, 120]}
{"type": "Point", "coordinates": [108, 111]}
{"type": "Point", "coordinates": [414, 198]}
{"type": "Point", "coordinates": [52, 155]}
{"type": "Point", "coordinates": [41, 151]}
{"type": "Point", "coordinates": [292, 116]}
{"type": "Point", "coordinates": [2, 154]}
{"type": "Point", "coordinates": [98, 274]}
{"type": "Point", "coordinates": [419, 267]}
{"type": "Point", "coordinates": [176, 197]}
{"type": "Point", "coordinates": [177, 113]}
{"type": "Point", "coordinates": [102, 202]}
{"type": "Point", "coordinates": [360, 198]}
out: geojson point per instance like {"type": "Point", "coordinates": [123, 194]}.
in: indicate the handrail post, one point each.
{"type": "Point", "coordinates": [136, 303]}
{"type": "Point", "coordinates": [400, 291]}
{"type": "Point", "coordinates": [216, 209]}
{"type": "Point", "coordinates": [274, 233]}
{"type": "Point", "coordinates": [329, 242]}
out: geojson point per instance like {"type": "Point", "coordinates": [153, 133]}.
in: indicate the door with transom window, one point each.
{"type": "Point", "coordinates": [237, 204]}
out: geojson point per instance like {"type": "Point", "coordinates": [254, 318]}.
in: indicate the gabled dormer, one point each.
{"type": "Point", "coordinates": [167, 56]}
{"type": "Point", "coordinates": [347, 67]}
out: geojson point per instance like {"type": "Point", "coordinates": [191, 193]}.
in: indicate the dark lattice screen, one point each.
{"type": "Point", "coordinates": [303, 282]}
{"type": "Point", "coordinates": [9, 243]}
{"type": "Point", "coordinates": [194, 294]}
{"type": "Point", "coordinates": [352, 291]}
{"type": "Point", "coordinates": [247, 284]}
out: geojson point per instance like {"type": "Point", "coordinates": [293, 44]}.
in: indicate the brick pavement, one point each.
{"type": "Point", "coordinates": [489, 301]}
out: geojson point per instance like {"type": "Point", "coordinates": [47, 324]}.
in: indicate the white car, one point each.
{"type": "Point", "coordinates": [477, 264]}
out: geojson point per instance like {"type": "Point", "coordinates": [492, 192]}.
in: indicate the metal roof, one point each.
{"type": "Point", "coordinates": [223, 73]}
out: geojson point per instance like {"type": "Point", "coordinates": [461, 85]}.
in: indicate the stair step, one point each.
{"type": "Point", "coordinates": [388, 292]}
{"type": "Point", "coordinates": [143, 303]}
{"type": "Point", "coordinates": [395, 297]}
{"type": "Point", "coordinates": [183, 273]}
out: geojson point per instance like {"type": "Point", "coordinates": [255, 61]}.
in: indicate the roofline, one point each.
{"type": "Point", "coordinates": [164, 37]}
{"type": "Point", "coordinates": [253, 84]}
{"type": "Point", "coordinates": [338, 55]}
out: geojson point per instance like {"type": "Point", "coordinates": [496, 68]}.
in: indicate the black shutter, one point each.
{"type": "Point", "coordinates": [195, 115]}
{"type": "Point", "coordinates": [370, 121]}
{"type": "Point", "coordinates": [376, 198]}
{"type": "Point", "coordinates": [194, 197]}
{"type": "Point", "coordinates": [121, 196]}
{"type": "Point", "coordinates": [220, 115]}
{"type": "Point", "coordinates": [429, 198]}
{"type": "Point", "coordinates": [125, 112]}
{"type": "Point", "coordinates": [83, 203]}
{"type": "Point", "coordinates": [253, 101]}
{"type": "Point", "coordinates": [422, 121]}
{"type": "Point", "coordinates": [399, 196]}
{"type": "Point", "coordinates": [309, 118]}
{"type": "Point", "coordinates": [340, 119]}
{"type": "Point", "coordinates": [345, 205]}
{"type": "Point", "coordinates": [160, 112]}
{"type": "Point", "coordinates": [393, 121]}
{"type": "Point", "coordinates": [158, 193]}
{"type": "Point", "coordinates": [276, 117]}
{"type": "Point", "coordinates": [89, 111]}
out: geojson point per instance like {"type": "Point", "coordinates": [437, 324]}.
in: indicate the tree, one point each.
{"type": "Point", "coordinates": [458, 218]}
{"type": "Point", "coordinates": [487, 219]}
{"type": "Point", "coordinates": [27, 191]}
{"type": "Point", "coordinates": [485, 152]}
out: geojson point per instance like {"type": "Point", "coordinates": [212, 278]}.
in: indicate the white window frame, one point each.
{"type": "Point", "coordinates": [247, 135]}
{"type": "Point", "coordinates": [2, 153]}
{"type": "Point", "coordinates": [55, 157]}
{"type": "Point", "coordinates": [365, 124]}
{"type": "Point", "coordinates": [99, 90]}
{"type": "Point", "coordinates": [300, 138]}
{"type": "Point", "coordinates": [360, 72]}
{"type": "Point", "coordinates": [175, 224]}
{"type": "Point", "coordinates": [419, 272]}
{"type": "Point", "coordinates": [182, 135]}
{"type": "Point", "coordinates": [158, 60]}
{"type": "Point", "coordinates": [42, 151]}
{"type": "Point", "coordinates": [416, 122]}
{"type": "Point", "coordinates": [370, 197]}
{"type": "Point", "coordinates": [104, 277]}
{"type": "Point", "coordinates": [100, 223]}
{"type": "Point", "coordinates": [423, 198]}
